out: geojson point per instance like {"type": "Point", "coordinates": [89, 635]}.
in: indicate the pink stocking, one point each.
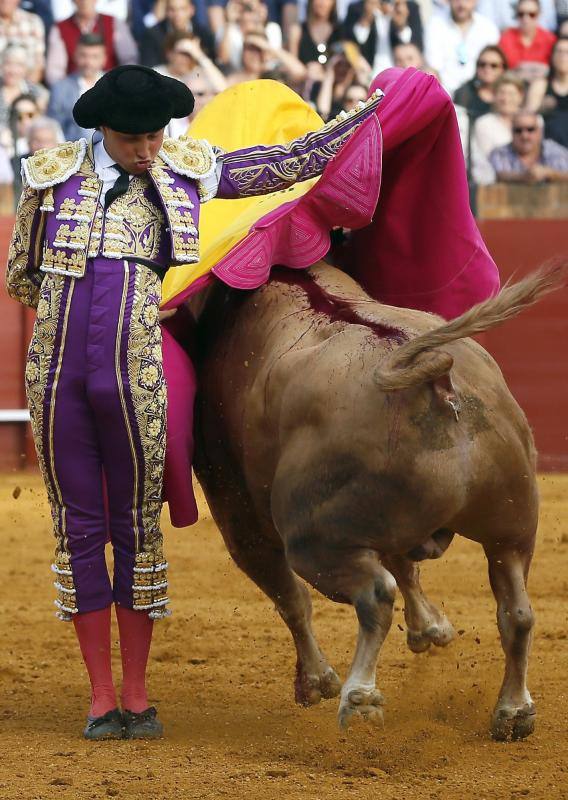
{"type": "Point", "coordinates": [93, 633]}
{"type": "Point", "coordinates": [135, 628]}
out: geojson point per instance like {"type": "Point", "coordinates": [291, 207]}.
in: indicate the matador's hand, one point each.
{"type": "Point", "coordinates": [166, 313]}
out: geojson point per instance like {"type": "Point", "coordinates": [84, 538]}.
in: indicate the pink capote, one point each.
{"type": "Point", "coordinates": [422, 249]}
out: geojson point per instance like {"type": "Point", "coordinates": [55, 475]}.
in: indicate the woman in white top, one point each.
{"type": "Point", "coordinates": [496, 128]}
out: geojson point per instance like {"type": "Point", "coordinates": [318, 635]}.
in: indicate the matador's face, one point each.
{"type": "Point", "coordinates": [134, 152]}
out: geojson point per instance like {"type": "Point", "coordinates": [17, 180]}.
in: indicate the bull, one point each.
{"type": "Point", "coordinates": [343, 441]}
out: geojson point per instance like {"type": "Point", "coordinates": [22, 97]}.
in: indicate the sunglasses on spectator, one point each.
{"type": "Point", "coordinates": [531, 14]}
{"type": "Point", "coordinates": [525, 129]}
{"type": "Point", "coordinates": [492, 64]}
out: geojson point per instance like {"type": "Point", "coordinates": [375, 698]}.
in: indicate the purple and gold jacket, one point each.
{"type": "Point", "coordinates": [60, 221]}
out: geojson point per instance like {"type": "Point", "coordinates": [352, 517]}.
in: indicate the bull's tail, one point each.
{"type": "Point", "coordinates": [417, 361]}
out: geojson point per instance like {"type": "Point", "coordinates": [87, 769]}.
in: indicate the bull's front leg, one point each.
{"type": "Point", "coordinates": [358, 578]}
{"type": "Point", "coordinates": [514, 714]}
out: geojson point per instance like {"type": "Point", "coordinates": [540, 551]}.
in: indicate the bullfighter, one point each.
{"type": "Point", "coordinates": [97, 226]}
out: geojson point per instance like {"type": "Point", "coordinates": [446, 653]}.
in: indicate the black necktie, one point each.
{"type": "Point", "coordinates": [120, 186]}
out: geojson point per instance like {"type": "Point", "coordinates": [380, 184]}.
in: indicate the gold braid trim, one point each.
{"type": "Point", "coordinates": [51, 166]}
{"type": "Point", "coordinates": [19, 283]}
{"type": "Point", "coordinates": [149, 398]}
{"type": "Point", "coordinates": [191, 157]}
{"type": "Point", "coordinates": [66, 601]}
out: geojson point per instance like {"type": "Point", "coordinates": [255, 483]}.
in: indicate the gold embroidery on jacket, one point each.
{"type": "Point", "coordinates": [192, 157]}
{"type": "Point", "coordinates": [60, 261]}
{"type": "Point", "coordinates": [19, 284]}
{"type": "Point", "coordinates": [181, 220]}
{"type": "Point", "coordinates": [175, 197]}
{"type": "Point", "coordinates": [133, 224]}
{"type": "Point", "coordinates": [270, 176]}
{"type": "Point", "coordinates": [77, 212]}
{"type": "Point", "coordinates": [185, 248]}
{"type": "Point", "coordinates": [54, 165]}
{"type": "Point", "coordinates": [75, 238]}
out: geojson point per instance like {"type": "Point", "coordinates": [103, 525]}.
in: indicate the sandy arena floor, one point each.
{"type": "Point", "coordinates": [222, 673]}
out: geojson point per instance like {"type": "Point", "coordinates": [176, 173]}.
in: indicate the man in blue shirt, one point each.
{"type": "Point", "coordinates": [530, 158]}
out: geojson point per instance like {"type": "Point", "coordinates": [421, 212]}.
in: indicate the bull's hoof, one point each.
{"type": "Point", "coordinates": [361, 705]}
{"type": "Point", "coordinates": [509, 724]}
{"type": "Point", "coordinates": [441, 633]}
{"type": "Point", "coordinates": [309, 689]}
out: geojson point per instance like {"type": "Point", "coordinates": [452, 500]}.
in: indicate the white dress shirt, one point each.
{"type": "Point", "coordinates": [104, 165]}
{"type": "Point", "coordinates": [62, 9]}
{"type": "Point", "coordinates": [453, 52]}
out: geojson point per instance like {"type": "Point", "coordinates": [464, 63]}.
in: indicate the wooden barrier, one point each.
{"type": "Point", "coordinates": [518, 201]}
{"type": "Point", "coordinates": [6, 200]}
{"type": "Point", "coordinates": [531, 349]}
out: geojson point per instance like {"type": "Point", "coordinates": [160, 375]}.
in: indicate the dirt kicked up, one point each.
{"type": "Point", "coordinates": [222, 673]}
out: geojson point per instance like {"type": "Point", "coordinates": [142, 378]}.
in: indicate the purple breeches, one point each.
{"type": "Point", "coordinates": [97, 399]}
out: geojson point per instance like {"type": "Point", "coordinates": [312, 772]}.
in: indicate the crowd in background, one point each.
{"type": "Point", "coordinates": [504, 63]}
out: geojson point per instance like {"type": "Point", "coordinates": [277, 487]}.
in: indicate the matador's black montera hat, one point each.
{"type": "Point", "coordinates": [133, 99]}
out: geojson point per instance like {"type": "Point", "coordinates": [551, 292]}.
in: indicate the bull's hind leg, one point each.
{"type": "Point", "coordinates": [514, 714]}
{"type": "Point", "coordinates": [356, 577]}
{"type": "Point", "coordinates": [426, 624]}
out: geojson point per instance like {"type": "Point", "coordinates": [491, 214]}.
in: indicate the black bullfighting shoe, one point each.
{"type": "Point", "coordinates": [109, 726]}
{"type": "Point", "coordinates": [144, 725]}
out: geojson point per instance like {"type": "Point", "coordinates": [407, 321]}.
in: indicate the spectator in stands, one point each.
{"type": "Point", "coordinates": [356, 93]}
{"type": "Point", "coordinates": [186, 61]}
{"type": "Point", "coordinates": [311, 41]}
{"type": "Point", "coordinates": [261, 60]}
{"type": "Point", "coordinates": [529, 158]}
{"type": "Point", "coordinates": [38, 133]}
{"type": "Point", "coordinates": [203, 93]}
{"type": "Point", "coordinates": [44, 133]}
{"type": "Point", "coordinates": [13, 83]}
{"type": "Point", "coordinates": [6, 171]}
{"type": "Point", "coordinates": [378, 26]}
{"type": "Point", "coordinates": [478, 94]}
{"type": "Point", "coordinates": [502, 12]}
{"type": "Point", "coordinates": [454, 42]}
{"type": "Point", "coordinates": [197, 71]}
{"type": "Point", "coordinates": [550, 96]}
{"type": "Point", "coordinates": [408, 55]}
{"type": "Point", "coordinates": [13, 137]}
{"type": "Point", "coordinates": [561, 14]}
{"type": "Point", "coordinates": [244, 17]}
{"type": "Point", "coordinates": [64, 36]}
{"type": "Point", "coordinates": [563, 29]}
{"type": "Point", "coordinates": [495, 129]}
{"type": "Point", "coordinates": [528, 47]}
{"type": "Point", "coordinates": [43, 9]}
{"type": "Point", "coordinates": [345, 68]}
{"type": "Point", "coordinates": [18, 27]}
{"type": "Point", "coordinates": [180, 18]}
{"type": "Point", "coordinates": [90, 58]}
{"type": "Point", "coordinates": [144, 14]}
